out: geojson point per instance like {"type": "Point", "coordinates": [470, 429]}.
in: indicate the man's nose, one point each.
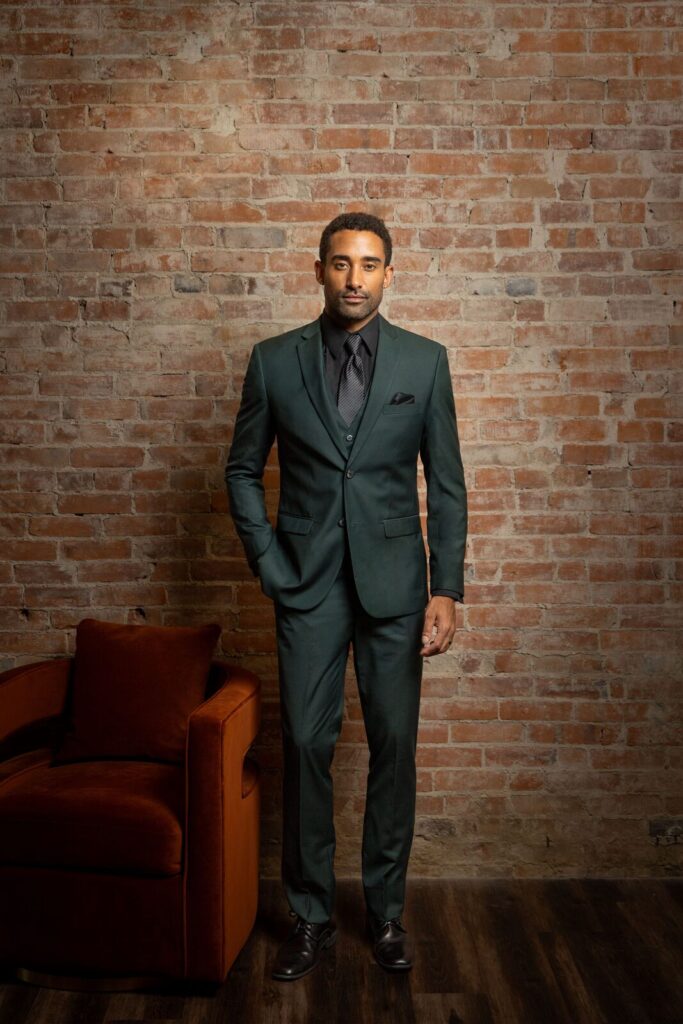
{"type": "Point", "coordinates": [353, 279]}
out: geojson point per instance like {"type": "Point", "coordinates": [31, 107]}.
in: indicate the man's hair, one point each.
{"type": "Point", "coordinates": [356, 222]}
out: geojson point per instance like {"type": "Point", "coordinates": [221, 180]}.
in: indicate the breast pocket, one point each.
{"type": "Point", "coordinates": [404, 409]}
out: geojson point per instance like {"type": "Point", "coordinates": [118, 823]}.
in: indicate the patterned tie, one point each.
{"type": "Point", "coordinates": [352, 380]}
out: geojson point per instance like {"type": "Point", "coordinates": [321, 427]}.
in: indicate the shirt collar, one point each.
{"type": "Point", "coordinates": [334, 335]}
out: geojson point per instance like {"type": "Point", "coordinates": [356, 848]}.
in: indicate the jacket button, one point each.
{"type": "Point", "coordinates": [349, 473]}
{"type": "Point", "coordinates": [341, 521]}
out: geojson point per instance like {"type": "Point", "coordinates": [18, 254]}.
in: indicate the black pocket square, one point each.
{"type": "Point", "coordinates": [401, 398]}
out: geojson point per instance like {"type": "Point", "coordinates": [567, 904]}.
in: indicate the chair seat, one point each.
{"type": "Point", "coordinates": [21, 762]}
{"type": "Point", "coordinates": [111, 816]}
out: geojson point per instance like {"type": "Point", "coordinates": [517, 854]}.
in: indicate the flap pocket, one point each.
{"type": "Point", "coordinates": [288, 522]}
{"type": "Point", "coordinates": [402, 526]}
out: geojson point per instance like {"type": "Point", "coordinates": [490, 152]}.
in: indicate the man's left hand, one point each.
{"type": "Point", "coordinates": [439, 626]}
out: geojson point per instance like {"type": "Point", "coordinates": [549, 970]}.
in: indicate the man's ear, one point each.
{"type": "Point", "coordinates": [388, 275]}
{"type": "Point", "coordinates": [319, 272]}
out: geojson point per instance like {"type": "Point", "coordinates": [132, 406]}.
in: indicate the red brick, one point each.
{"type": "Point", "coordinates": [94, 504]}
{"type": "Point", "coordinates": [224, 212]}
{"type": "Point", "coordinates": [256, 137]}
{"type": "Point", "coordinates": [534, 217]}
{"type": "Point", "coordinates": [353, 138]}
{"type": "Point", "coordinates": [115, 455]}
{"type": "Point", "coordinates": [30, 550]}
{"type": "Point", "coordinates": [60, 526]}
{"type": "Point", "coordinates": [83, 550]}
{"type": "Point", "coordinates": [305, 163]}
{"type": "Point", "coordinates": [448, 756]}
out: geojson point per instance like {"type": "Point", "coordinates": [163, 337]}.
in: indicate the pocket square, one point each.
{"type": "Point", "coordinates": [401, 398]}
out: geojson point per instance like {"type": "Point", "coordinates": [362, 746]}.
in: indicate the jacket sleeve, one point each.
{"type": "Point", "coordinates": [251, 443]}
{"type": "Point", "coordinates": [455, 594]}
{"type": "Point", "coordinates": [445, 478]}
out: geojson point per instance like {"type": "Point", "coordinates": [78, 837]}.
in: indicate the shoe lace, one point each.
{"type": "Point", "coordinates": [398, 922]}
{"type": "Point", "coordinates": [302, 925]}
{"type": "Point", "coordinates": [392, 920]}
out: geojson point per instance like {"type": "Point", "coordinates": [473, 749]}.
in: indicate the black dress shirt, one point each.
{"type": "Point", "coordinates": [335, 354]}
{"type": "Point", "coordinates": [334, 337]}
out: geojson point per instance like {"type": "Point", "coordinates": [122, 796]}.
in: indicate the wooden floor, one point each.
{"type": "Point", "coordinates": [528, 952]}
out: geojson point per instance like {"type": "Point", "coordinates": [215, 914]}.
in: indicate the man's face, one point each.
{"type": "Point", "coordinates": [354, 276]}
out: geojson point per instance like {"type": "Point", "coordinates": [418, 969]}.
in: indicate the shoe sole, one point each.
{"type": "Point", "coordinates": [393, 968]}
{"type": "Point", "coordinates": [329, 941]}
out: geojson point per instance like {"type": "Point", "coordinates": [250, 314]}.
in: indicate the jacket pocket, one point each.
{"type": "Point", "coordinates": [402, 409]}
{"type": "Point", "coordinates": [402, 526]}
{"type": "Point", "coordinates": [289, 522]}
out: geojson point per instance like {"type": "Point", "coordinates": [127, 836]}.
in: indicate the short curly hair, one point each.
{"type": "Point", "coordinates": [356, 222]}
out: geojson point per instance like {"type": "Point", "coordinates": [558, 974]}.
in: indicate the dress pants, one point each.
{"type": "Point", "coordinates": [313, 647]}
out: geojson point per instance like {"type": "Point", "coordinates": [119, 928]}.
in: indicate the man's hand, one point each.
{"type": "Point", "coordinates": [439, 626]}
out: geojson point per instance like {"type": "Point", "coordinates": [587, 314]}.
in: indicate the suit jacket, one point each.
{"type": "Point", "coordinates": [362, 491]}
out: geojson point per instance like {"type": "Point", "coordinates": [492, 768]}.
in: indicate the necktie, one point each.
{"type": "Point", "coordinates": [352, 380]}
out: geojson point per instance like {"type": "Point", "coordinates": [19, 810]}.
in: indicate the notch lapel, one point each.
{"type": "Point", "coordinates": [310, 351]}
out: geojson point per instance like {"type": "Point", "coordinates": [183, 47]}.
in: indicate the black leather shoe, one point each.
{"type": "Point", "coordinates": [301, 950]}
{"type": "Point", "coordinates": [390, 944]}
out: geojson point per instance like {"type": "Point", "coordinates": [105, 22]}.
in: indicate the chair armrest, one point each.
{"type": "Point", "coordinates": [221, 847]}
{"type": "Point", "coordinates": [232, 713]}
{"type": "Point", "coordinates": [30, 695]}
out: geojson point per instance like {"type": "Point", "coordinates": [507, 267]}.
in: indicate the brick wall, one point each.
{"type": "Point", "coordinates": [166, 171]}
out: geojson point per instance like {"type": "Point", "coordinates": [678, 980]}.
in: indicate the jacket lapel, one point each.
{"type": "Point", "coordinates": [310, 350]}
{"type": "Point", "coordinates": [311, 361]}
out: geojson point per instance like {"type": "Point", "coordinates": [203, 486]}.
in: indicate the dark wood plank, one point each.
{"type": "Point", "coordinates": [487, 952]}
{"type": "Point", "coordinates": [503, 1004]}
{"type": "Point", "coordinates": [558, 958]}
{"type": "Point", "coordinates": [522, 955]}
{"type": "Point", "coordinates": [588, 916]}
{"type": "Point", "coordinates": [652, 952]}
{"type": "Point", "coordinates": [16, 1001]}
{"type": "Point", "coordinates": [62, 1007]}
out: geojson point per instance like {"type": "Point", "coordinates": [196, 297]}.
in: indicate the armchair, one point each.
{"type": "Point", "coordinates": [119, 873]}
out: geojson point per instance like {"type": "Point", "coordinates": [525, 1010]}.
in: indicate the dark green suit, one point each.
{"type": "Point", "coordinates": [346, 564]}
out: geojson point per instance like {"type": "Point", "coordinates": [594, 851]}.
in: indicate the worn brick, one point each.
{"type": "Point", "coordinates": [161, 212]}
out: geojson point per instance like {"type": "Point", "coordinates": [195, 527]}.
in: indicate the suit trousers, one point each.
{"type": "Point", "coordinates": [313, 647]}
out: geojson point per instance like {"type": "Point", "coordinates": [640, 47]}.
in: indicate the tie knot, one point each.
{"type": "Point", "coordinates": [353, 343]}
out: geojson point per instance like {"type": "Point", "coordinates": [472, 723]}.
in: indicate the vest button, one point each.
{"type": "Point", "coordinates": [349, 437]}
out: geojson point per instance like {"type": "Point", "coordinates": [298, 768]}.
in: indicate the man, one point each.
{"type": "Point", "coordinates": [352, 401]}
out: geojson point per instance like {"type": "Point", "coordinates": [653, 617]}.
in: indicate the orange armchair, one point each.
{"type": "Point", "coordinates": [134, 870]}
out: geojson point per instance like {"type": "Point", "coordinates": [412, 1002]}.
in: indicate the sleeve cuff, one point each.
{"type": "Point", "coordinates": [455, 594]}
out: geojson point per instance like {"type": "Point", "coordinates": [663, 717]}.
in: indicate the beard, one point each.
{"type": "Point", "coordinates": [352, 312]}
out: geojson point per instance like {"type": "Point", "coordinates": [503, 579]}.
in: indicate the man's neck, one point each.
{"type": "Point", "coordinates": [352, 326]}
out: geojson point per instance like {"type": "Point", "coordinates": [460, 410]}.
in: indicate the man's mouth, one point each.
{"type": "Point", "coordinates": [354, 298]}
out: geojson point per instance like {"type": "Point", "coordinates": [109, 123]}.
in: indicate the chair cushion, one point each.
{"type": "Point", "coordinates": [117, 816]}
{"type": "Point", "coordinates": [20, 762]}
{"type": "Point", "coordinates": [133, 690]}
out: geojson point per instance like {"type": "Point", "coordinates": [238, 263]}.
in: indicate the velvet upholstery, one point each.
{"type": "Point", "coordinates": [82, 923]}
{"type": "Point", "coordinates": [128, 866]}
{"type": "Point", "coordinates": [122, 816]}
{"type": "Point", "coordinates": [222, 856]}
{"type": "Point", "coordinates": [134, 688]}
